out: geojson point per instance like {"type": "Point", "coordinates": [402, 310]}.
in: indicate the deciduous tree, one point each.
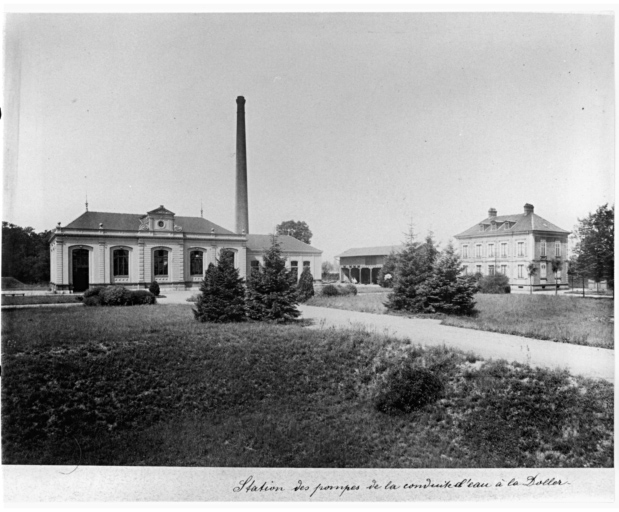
{"type": "Point", "coordinates": [594, 250]}
{"type": "Point", "coordinates": [296, 229]}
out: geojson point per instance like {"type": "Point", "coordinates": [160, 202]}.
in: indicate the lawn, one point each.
{"type": "Point", "coordinates": [548, 317]}
{"type": "Point", "coordinates": [21, 300]}
{"type": "Point", "coordinates": [148, 385]}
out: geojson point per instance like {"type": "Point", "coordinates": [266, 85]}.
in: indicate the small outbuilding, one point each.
{"type": "Point", "coordinates": [362, 264]}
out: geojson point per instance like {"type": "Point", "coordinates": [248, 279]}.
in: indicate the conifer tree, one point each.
{"type": "Point", "coordinates": [271, 292]}
{"type": "Point", "coordinates": [446, 290]}
{"type": "Point", "coordinates": [413, 267]}
{"type": "Point", "coordinates": [305, 288]}
{"type": "Point", "coordinates": [222, 297]}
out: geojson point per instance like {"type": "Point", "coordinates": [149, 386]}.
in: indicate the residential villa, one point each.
{"type": "Point", "coordinates": [508, 244]}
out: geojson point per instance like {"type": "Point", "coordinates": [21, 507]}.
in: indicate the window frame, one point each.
{"type": "Point", "coordinates": [191, 262]}
{"type": "Point", "coordinates": [116, 258]}
{"type": "Point", "coordinates": [161, 259]}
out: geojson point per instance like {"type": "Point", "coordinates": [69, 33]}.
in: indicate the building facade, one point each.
{"type": "Point", "coordinates": [100, 248]}
{"type": "Point", "coordinates": [363, 264]}
{"type": "Point", "coordinates": [134, 250]}
{"type": "Point", "coordinates": [508, 244]}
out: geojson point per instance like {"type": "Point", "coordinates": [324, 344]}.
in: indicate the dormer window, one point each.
{"type": "Point", "coordinates": [493, 226]}
{"type": "Point", "coordinates": [160, 224]}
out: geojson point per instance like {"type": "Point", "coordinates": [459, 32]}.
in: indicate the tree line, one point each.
{"type": "Point", "coordinates": [25, 254]}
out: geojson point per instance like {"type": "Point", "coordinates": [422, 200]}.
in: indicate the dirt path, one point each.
{"type": "Point", "coordinates": [581, 360]}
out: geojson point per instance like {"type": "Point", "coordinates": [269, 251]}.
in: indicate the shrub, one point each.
{"type": "Point", "coordinates": [498, 283]}
{"type": "Point", "coordinates": [93, 292]}
{"type": "Point", "coordinates": [351, 288]}
{"type": "Point", "coordinates": [222, 297]}
{"type": "Point", "coordinates": [193, 298]}
{"type": "Point", "coordinates": [154, 288]}
{"type": "Point", "coordinates": [330, 291]}
{"type": "Point", "coordinates": [93, 300]}
{"type": "Point", "coordinates": [139, 297]}
{"type": "Point", "coordinates": [272, 292]}
{"type": "Point", "coordinates": [305, 288]}
{"type": "Point", "coordinates": [115, 296]}
{"type": "Point", "coordinates": [407, 387]}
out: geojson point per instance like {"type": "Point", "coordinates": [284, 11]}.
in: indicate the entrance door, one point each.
{"type": "Point", "coordinates": [80, 270]}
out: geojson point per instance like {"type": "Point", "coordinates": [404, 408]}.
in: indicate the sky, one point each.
{"type": "Point", "coordinates": [357, 124]}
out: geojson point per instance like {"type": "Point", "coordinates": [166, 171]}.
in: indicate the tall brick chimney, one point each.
{"type": "Point", "coordinates": [528, 208]}
{"type": "Point", "coordinates": [242, 208]}
{"type": "Point", "coordinates": [492, 212]}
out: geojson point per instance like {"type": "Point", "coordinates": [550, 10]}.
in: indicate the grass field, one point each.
{"type": "Point", "coordinates": [22, 300]}
{"type": "Point", "coordinates": [548, 317]}
{"type": "Point", "coordinates": [147, 385]}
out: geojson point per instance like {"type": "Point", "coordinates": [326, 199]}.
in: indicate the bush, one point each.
{"type": "Point", "coordinates": [305, 287]}
{"type": "Point", "coordinates": [139, 297]}
{"type": "Point", "coordinates": [115, 296]}
{"type": "Point", "coordinates": [93, 300]}
{"type": "Point", "coordinates": [154, 288]}
{"type": "Point", "coordinates": [329, 291]}
{"type": "Point", "coordinates": [93, 292]}
{"type": "Point", "coordinates": [407, 387]}
{"type": "Point", "coordinates": [351, 289]}
{"type": "Point", "coordinates": [498, 283]}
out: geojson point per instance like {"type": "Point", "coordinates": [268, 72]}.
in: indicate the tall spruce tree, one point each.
{"type": "Point", "coordinates": [446, 290]}
{"type": "Point", "coordinates": [223, 294]}
{"type": "Point", "coordinates": [413, 268]}
{"type": "Point", "coordinates": [272, 292]}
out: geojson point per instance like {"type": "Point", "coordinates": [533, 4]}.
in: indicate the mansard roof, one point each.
{"type": "Point", "coordinates": [382, 250]}
{"type": "Point", "coordinates": [520, 222]}
{"type": "Point", "coordinates": [262, 243]}
{"type": "Point", "coordinates": [131, 222]}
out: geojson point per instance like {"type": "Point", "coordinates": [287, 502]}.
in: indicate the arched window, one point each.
{"type": "Point", "coordinates": [121, 263]}
{"type": "Point", "coordinates": [160, 261]}
{"type": "Point", "coordinates": [196, 263]}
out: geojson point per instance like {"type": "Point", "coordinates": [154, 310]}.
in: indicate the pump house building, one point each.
{"type": "Point", "coordinates": [134, 250]}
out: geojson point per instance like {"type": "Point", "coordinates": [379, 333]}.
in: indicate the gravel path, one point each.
{"type": "Point", "coordinates": [590, 362]}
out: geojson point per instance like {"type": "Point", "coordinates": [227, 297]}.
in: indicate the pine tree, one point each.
{"type": "Point", "coordinates": [413, 268]}
{"type": "Point", "coordinates": [446, 291]}
{"type": "Point", "coordinates": [305, 288]}
{"type": "Point", "coordinates": [223, 294]}
{"type": "Point", "coordinates": [271, 292]}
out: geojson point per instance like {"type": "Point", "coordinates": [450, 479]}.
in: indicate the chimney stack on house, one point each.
{"type": "Point", "coordinates": [492, 212]}
{"type": "Point", "coordinates": [528, 208]}
{"type": "Point", "coordinates": [242, 208]}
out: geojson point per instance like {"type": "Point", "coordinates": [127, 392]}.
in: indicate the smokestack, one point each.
{"type": "Point", "coordinates": [528, 208]}
{"type": "Point", "coordinates": [242, 208]}
{"type": "Point", "coordinates": [492, 212]}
